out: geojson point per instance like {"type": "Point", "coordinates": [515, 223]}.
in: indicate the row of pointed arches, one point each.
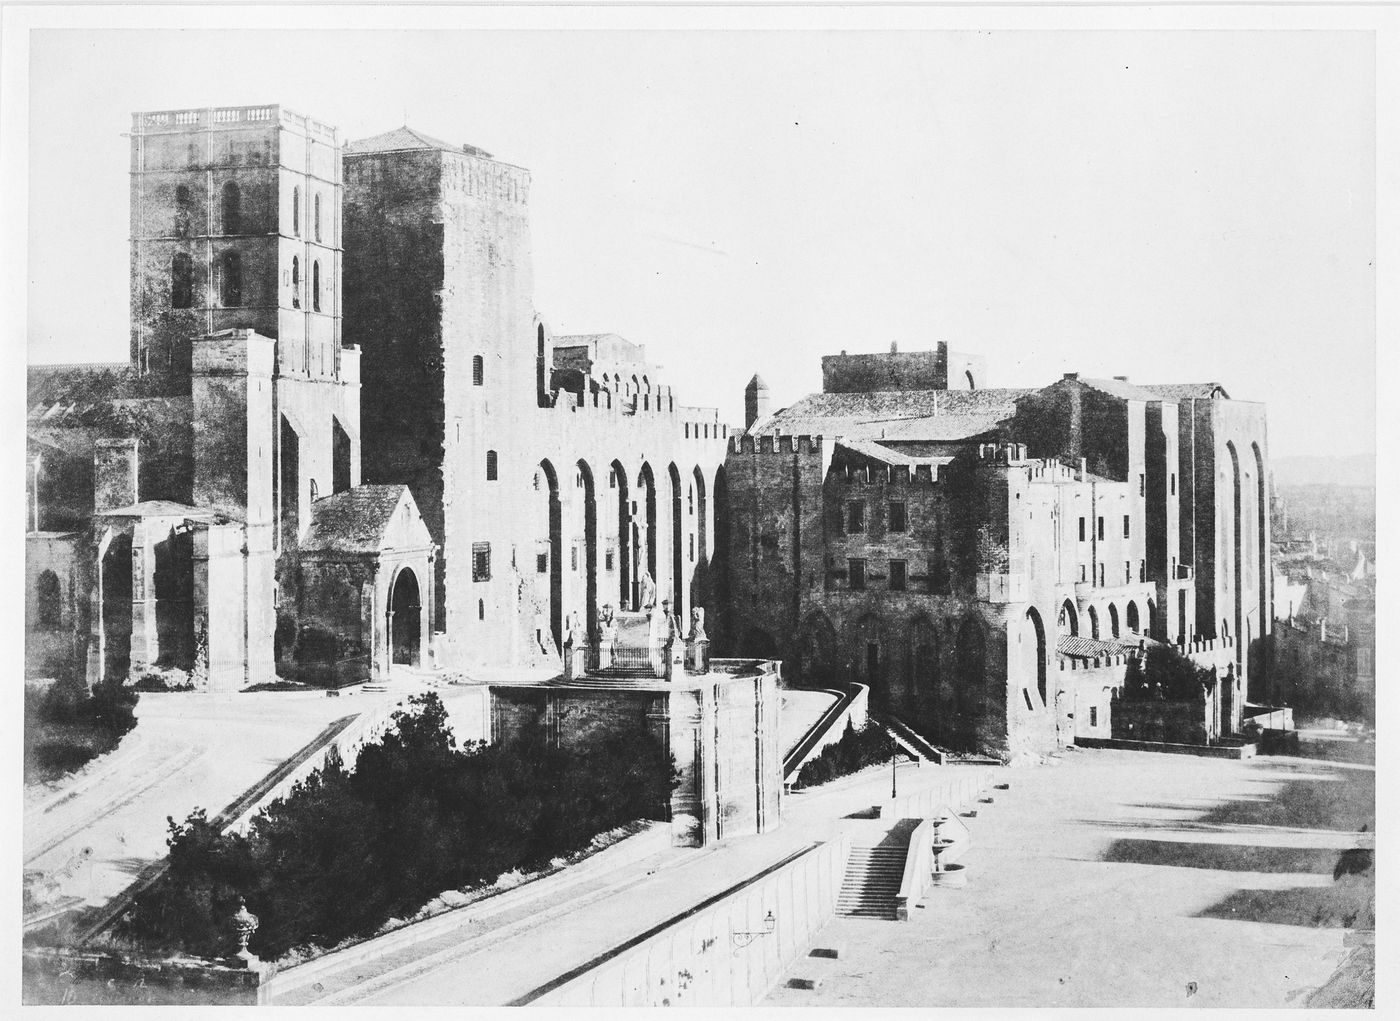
{"type": "Point", "coordinates": [600, 531]}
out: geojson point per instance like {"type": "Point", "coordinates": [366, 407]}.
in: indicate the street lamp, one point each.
{"type": "Point", "coordinates": [894, 773]}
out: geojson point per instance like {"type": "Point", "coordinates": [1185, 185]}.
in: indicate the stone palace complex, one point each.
{"type": "Point", "coordinates": [346, 443]}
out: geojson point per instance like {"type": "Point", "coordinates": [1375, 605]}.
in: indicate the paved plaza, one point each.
{"type": "Point", "coordinates": [1122, 879]}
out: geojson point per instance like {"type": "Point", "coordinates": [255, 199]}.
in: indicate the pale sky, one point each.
{"type": "Point", "coordinates": [1171, 206]}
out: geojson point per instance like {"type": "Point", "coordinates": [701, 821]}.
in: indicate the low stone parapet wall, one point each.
{"type": "Point", "coordinates": [729, 952]}
{"type": "Point", "coordinates": [1212, 751]}
{"type": "Point", "coordinates": [54, 976]}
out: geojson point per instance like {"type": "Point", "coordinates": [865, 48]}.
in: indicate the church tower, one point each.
{"type": "Point", "coordinates": [235, 221]}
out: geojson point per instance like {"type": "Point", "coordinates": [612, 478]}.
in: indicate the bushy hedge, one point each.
{"type": "Point", "coordinates": [853, 752]}
{"type": "Point", "coordinates": [348, 850]}
{"type": "Point", "coordinates": [1165, 673]}
{"type": "Point", "coordinates": [65, 727]}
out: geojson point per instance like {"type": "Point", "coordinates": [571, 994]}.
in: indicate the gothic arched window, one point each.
{"type": "Point", "coordinates": [230, 209]}
{"type": "Point", "coordinates": [230, 280]}
{"type": "Point", "coordinates": [181, 281]}
{"type": "Point", "coordinates": [296, 211]}
{"type": "Point", "coordinates": [316, 215]}
{"type": "Point", "coordinates": [296, 282]}
{"type": "Point", "coordinates": [316, 286]}
{"type": "Point", "coordinates": [478, 370]}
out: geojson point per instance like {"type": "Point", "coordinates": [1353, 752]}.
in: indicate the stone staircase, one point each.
{"type": "Point", "coordinates": [873, 877]}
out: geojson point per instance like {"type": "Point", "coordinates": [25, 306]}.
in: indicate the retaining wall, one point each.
{"type": "Point", "coordinates": [723, 955]}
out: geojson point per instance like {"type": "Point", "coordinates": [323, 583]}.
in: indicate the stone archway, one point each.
{"type": "Point", "coordinates": [405, 619]}
{"type": "Point", "coordinates": [115, 579]}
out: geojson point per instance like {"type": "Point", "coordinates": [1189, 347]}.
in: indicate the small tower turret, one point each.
{"type": "Point", "coordinates": [755, 401]}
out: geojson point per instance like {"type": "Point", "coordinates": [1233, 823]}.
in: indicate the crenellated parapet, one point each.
{"type": "Point", "coordinates": [883, 475]}
{"type": "Point", "coordinates": [1072, 663]}
{"type": "Point", "coordinates": [777, 444]}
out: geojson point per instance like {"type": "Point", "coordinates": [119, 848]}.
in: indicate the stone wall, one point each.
{"type": "Point", "coordinates": [1160, 720]}
{"type": "Point", "coordinates": [721, 730]}
{"type": "Point", "coordinates": [726, 954]}
{"type": "Point", "coordinates": [70, 977]}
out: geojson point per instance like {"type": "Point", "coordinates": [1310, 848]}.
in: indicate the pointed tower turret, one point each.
{"type": "Point", "coordinates": [755, 401]}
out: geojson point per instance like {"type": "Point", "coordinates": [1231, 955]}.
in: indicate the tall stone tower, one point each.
{"type": "Point", "coordinates": [439, 294]}
{"type": "Point", "coordinates": [235, 220]}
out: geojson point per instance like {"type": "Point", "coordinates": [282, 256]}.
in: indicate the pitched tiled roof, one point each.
{"type": "Point", "coordinates": [896, 414]}
{"type": "Point", "coordinates": [353, 521]}
{"type": "Point", "coordinates": [1122, 389]}
{"type": "Point", "coordinates": [1188, 391]}
{"type": "Point", "coordinates": [405, 139]}
{"type": "Point", "coordinates": [1079, 647]}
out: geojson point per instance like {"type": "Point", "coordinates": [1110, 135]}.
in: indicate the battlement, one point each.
{"type": "Point", "coordinates": [1201, 645]}
{"type": "Point", "coordinates": [226, 118]}
{"type": "Point", "coordinates": [775, 444]}
{"type": "Point", "coordinates": [1002, 453]}
{"type": "Point", "coordinates": [883, 475]}
{"type": "Point", "coordinates": [1072, 663]}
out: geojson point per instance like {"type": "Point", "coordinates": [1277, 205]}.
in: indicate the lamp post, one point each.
{"type": "Point", "coordinates": [894, 773]}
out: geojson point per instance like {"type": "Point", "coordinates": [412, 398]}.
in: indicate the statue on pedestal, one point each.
{"type": "Point", "coordinates": [697, 643]}
{"type": "Point", "coordinates": [575, 646]}
{"type": "Point", "coordinates": [607, 636]}
{"type": "Point", "coordinates": [648, 591]}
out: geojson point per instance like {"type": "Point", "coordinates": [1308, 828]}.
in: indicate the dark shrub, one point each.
{"type": "Point", "coordinates": [1165, 669]}
{"type": "Point", "coordinates": [856, 750]}
{"type": "Point", "coordinates": [346, 851]}
{"type": "Point", "coordinates": [65, 727]}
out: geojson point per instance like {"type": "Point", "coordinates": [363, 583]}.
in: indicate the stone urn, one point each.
{"type": "Point", "coordinates": [242, 925]}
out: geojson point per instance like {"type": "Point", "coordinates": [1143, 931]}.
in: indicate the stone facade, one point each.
{"type": "Point", "coordinates": [553, 471]}
{"type": "Point", "coordinates": [180, 486]}
{"type": "Point", "coordinates": [950, 549]}
{"type": "Point", "coordinates": [721, 728]}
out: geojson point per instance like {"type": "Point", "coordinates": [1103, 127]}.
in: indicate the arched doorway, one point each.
{"type": "Point", "coordinates": [549, 542]}
{"type": "Point", "coordinates": [644, 533]}
{"type": "Point", "coordinates": [590, 545]}
{"type": "Point", "coordinates": [1038, 626]}
{"type": "Point", "coordinates": [1093, 622]}
{"type": "Point", "coordinates": [618, 481]}
{"type": "Point", "coordinates": [405, 624]}
{"type": "Point", "coordinates": [1113, 628]}
{"type": "Point", "coordinates": [116, 608]}
{"type": "Point", "coordinates": [1133, 624]}
{"type": "Point", "coordinates": [677, 543]}
{"type": "Point", "coordinates": [1237, 553]}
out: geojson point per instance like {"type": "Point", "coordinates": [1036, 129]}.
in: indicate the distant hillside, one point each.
{"type": "Point", "coordinates": [1355, 470]}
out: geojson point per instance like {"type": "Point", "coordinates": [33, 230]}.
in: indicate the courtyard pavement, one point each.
{"type": "Point", "coordinates": [1121, 879]}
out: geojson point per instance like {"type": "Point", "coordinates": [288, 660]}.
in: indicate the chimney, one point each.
{"type": "Point", "coordinates": [1083, 468]}
{"type": "Point", "coordinates": [755, 401]}
{"type": "Point", "coordinates": [115, 474]}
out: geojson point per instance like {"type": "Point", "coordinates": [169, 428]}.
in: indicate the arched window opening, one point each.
{"type": "Point", "coordinates": [490, 466]}
{"type": "Point", "coordinates": [1113, 620]}
{"type": "Point", "coordinates": [316, 215]}
{"type": "Point", "coordinates": [1093, 622]}
{"type": "Point", "coordinates": [48, 602]}
{"type": "Point", "coordinates": [181, 281]}
{"type": "Point", "coordinates": [230, 266]}
{"type": "Point", "coordinates": [182, 211]}
{"type": "Point", "coordinates": [315, 492]}
{"type": "Point", "coordinates": [316, 285]}
{"type": "Point", "coordinates": [296, 282]}
{"type": "Point", "coordinates": [341, 456]}
{"type": "Point", "coordinates": [230, 209]}
{"type": "Point", "coordinates": [296, 212]}
{"type": "Point", "coordinates": [478, 370]}
{"type": "Point", "coordinates": [1133, 623]}
{"type": "Point", "coordinates": [1068, 619]}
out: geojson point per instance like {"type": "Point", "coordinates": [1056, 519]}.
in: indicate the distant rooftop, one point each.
{"type": "Point", "coordinates": [406, 139]}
